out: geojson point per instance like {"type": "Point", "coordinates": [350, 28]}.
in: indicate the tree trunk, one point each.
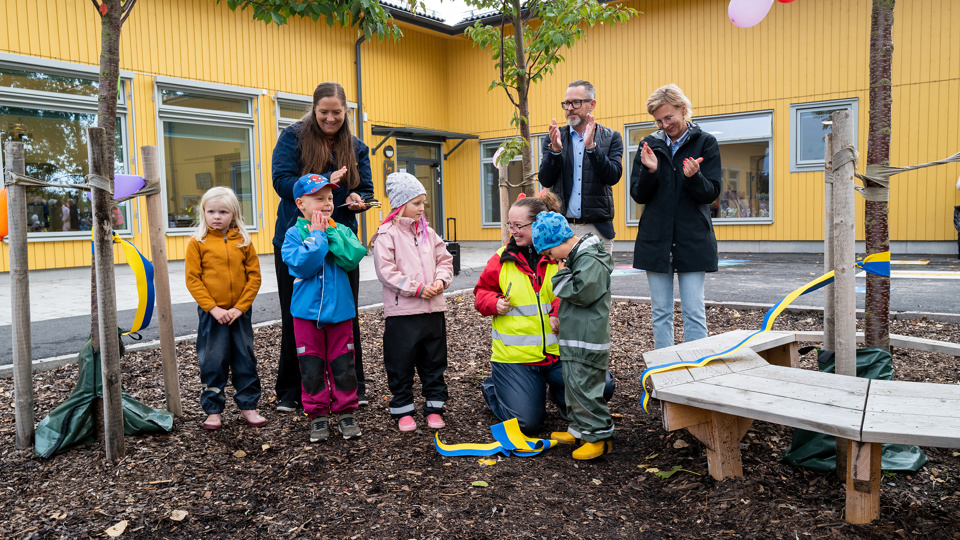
{"type": "Point", "coordinates": [523, 98]}
{"type": "Point", "coordinates": [106, 119]}
{"type": "Point", "coordinates": [102, 162]}
{"type": "Point", "coordinates": [876, 226]}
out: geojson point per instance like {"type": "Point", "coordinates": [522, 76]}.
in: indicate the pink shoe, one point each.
{"type": "Point", "coordinates": [435, 421]}
{"type": "Point", "coordinates": [407, 423]}
{"type": "Point", "coordinates": [252, 418]}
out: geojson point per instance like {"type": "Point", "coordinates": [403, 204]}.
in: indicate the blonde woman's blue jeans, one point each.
{"type": "Point", "coordinates": [691, 304]}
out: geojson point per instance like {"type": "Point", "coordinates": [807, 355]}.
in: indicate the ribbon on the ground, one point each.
{"type": "Point", "coordinates": [509, 441]}
{"type": "Point", "coordinates": [143, 272]}
{"type": "Point", "coordinates": [877, 264]}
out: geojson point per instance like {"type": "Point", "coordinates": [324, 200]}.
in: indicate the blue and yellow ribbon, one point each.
{"type": "Point", "coordinates": [877, 264]}
{"type": "Point", "coordinates": [509, 441]}
{"type": "Point", "coordinates": [143, 272]}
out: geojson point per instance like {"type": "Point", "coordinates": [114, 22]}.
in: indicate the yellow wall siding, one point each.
{"type": "Point", "coordinates": [803, 52]}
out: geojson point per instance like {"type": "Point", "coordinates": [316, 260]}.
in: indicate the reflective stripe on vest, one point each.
{"type": "Point", "coordinates": [523, 335]}
{"type": "Point", "coordinates": [528, 310]}
{"type": "Point", "coordinates": [515, 340]}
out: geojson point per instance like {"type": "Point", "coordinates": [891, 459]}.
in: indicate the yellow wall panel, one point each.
{"type": "Point", "coordinates": [803, 52]}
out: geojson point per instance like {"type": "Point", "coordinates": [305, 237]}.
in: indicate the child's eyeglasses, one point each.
{"type": "Point", "coordinates": [515, 227]}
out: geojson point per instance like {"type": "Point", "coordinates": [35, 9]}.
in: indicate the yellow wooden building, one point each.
{"type": "Point", "coordinates": [211, 89]}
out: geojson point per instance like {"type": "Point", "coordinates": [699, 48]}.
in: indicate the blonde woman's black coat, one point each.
{"type": "Point", "coordinates": [676, 232]}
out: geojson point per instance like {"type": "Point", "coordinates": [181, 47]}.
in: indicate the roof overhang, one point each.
{"type": "Point", "coordinates": [388, 132]}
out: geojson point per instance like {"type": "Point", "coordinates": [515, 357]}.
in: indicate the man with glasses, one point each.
{"type": "Point", "coordinates": [581, 162]}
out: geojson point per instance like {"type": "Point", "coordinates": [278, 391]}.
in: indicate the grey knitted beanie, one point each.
{"type": "Point", "coordinates": [402, 187]}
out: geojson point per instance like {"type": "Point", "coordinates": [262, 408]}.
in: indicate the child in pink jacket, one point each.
{"type": "Point", "coordinates": [415, 267]}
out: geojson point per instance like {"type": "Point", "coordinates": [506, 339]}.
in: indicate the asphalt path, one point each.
{"type": "Point", "coordinates": [743, 279]}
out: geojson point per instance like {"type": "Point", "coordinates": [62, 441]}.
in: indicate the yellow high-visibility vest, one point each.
{"type": "Point", "coordinates": [523, 335]}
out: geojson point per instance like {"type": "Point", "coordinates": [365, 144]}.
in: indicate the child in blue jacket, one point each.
{"type": "Point", "coordinates": [319, 253]}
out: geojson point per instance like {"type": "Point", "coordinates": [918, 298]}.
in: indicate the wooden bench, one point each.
{"type": "Point", "coordinates": [717, 404]}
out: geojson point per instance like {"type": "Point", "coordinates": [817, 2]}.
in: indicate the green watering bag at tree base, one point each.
{"type": "Point", "coordinates": [72, 423]}
{"type": "Point", "coordinates": [818, 452]}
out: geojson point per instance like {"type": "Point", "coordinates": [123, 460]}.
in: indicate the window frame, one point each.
{"type": "Point", "coordinates": [209, 117]}
{"type": "Point", "coordinates": [815, 165]}
{"type": "Point", "coordinates": [72, 103]}
{"type": "Point", "coordinates": [535, 157]}
{"type": "Point", "coordinates": [738, 140]}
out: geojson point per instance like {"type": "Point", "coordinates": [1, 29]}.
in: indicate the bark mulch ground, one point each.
{"type": "Point", "coordinates": [242, 482]}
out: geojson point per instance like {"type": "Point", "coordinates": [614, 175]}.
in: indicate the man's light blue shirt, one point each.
{"type": "Point", "coordinates": [574, 205]}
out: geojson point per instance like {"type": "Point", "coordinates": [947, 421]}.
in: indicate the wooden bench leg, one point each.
{"type": "Point", "coordinates": [721, 437]}
{"type": "Point", "coordinates": [863, 482]}
{"type": "Point", "coordinates": [785, 355]}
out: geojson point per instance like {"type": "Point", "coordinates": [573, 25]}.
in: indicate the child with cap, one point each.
{"type": "Point", "coordinates": [583, 286]}
{"type": "Point", "coordinates": [414, 266]}
{"type": "Point", "coordinates": [319, 253]}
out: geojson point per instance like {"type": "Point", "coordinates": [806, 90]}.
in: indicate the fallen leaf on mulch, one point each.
{"type": "Point", "coordinates": [480, 483]}
{"type": "Point", "coordinates": [178, 515]}
{"type": "Point", "coordinates": [117, 529]}
{"type": "Point", "coordinates": [264, 447]}
{"type": "Point", "coordinates": [486, 462]}
{"type": "Point", "coordinates": [680, 444]}
{"type": "Point", "coordinates": [239, 454]}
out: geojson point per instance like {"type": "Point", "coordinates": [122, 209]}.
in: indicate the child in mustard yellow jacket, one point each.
{"type": "Point", "coordinates": [223, 275]}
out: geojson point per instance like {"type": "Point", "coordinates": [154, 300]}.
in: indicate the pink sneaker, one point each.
{"type": "Point", "coordinates": [435, 421]}
{"type": "Point", "coordinates": [407, 423]}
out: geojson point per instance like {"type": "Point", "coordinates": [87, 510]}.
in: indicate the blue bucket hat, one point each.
{"type": "Point", "coordinates": [311, 183]}
{"type": "Point", "coordinates": [550, 230]}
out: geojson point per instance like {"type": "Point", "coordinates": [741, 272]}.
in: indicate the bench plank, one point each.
{"type": "Point", "coordinates": [812, 378]}
{"type": "Point", "coordinates": [820, 417]}
{"type": "Point", "coordinates": [799, 385]}
{"type": "Point", "coordinates": [919, 429]}
{"type": "Point", "coordinates": [918, 389]}
{"type": "Point", "coordinates": [713, 369]}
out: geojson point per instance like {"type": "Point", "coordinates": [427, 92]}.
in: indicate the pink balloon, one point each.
{"type": "Point", "coordinates": [747, 13]}
{"type": "Point", "coordinates": [124, 185]}
{"type": "Point", "coordinates": [784, 1]}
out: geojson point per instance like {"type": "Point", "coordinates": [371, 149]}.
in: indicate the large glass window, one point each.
{"type": "Point", "coordinates": [490, 178]}
{"type": "Point", "coordinates": [50, 113]}
{"type": "Point", "coordinates": [207, 141]}
{"type": "Point", "coordinates": [635, 134]}
{"type": "Point", "coordinates": [809, 124]}
{"type": "Point", "coordinates": [745, 155]}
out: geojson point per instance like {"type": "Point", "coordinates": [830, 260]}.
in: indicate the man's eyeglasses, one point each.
{"type": "Point", "coordinates": [573, 103]}
{"type": "Point", "coordinates": [515, 227]}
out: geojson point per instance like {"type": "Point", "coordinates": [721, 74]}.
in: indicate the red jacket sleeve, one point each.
{"type": "Point", "coordinates": [487, 289]}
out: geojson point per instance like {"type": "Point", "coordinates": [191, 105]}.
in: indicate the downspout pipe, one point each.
{"type": "Point", "coordinates": [363, 221]}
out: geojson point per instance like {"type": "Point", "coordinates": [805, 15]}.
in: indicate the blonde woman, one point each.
{"type": "Point", "coordinates": [223, 275]}
{"type": "Point", "coordinates": [676, 174]}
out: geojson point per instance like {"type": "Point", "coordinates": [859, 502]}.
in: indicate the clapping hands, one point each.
{"type": "Point", "coordinates": [553, 130]}
{"type": "Point", "coordinates": [648, 158]}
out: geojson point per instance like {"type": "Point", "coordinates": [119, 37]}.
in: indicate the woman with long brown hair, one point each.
{"type": "Point", "coordinates": [320, 143]}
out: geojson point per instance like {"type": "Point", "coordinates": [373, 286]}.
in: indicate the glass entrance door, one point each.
{"type": "Point", "coordinates": [423, 161]}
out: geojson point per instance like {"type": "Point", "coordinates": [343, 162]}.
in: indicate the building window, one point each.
{"type": "Point", "coordinates": [50, 112]}
{"type": "Point", "coordinates": [809, 124]}
{"type": "Point", "coordinates": [635, 134]}
{"type": "Point", "coordinates": [745, 155]}
{"type": "Point", "coordinates": [291, 108]}
{"type": "Point", "coordinates": [207, 140]}
{"type": "Point", "coordinates": [490, 178]}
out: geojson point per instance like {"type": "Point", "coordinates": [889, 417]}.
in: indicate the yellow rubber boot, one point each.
{"type": "Point", "coordinates": [563, 437]}
{"type": "Point", "coordinates": [592, 450]}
